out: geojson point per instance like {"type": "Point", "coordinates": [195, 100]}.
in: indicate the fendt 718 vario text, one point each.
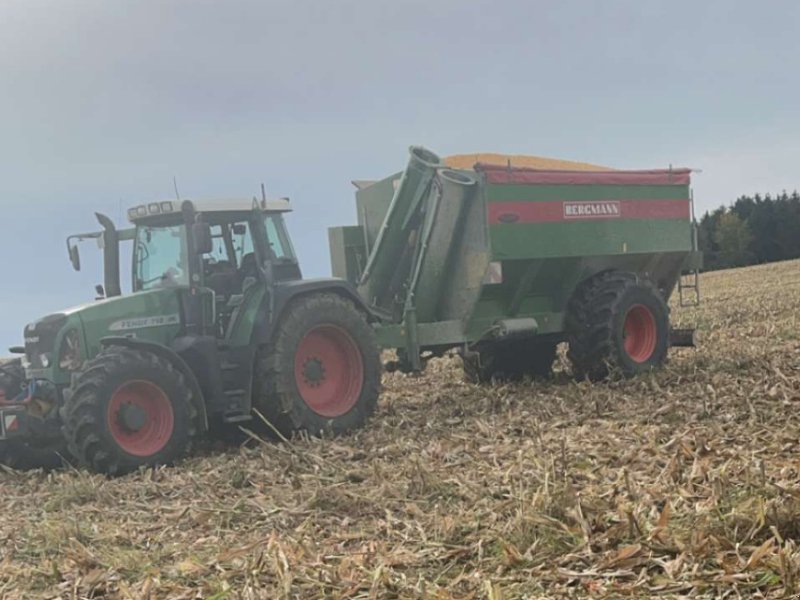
{"type": "Point", "coordinates": [219, 323]}
{"type": "Point", "coordinates": [499, 262]}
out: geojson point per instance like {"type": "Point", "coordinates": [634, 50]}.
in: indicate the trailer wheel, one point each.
{"type": "Point", "coordinates": [25, 455]}
{"type": "Point", "coordinates": [510, 361]}
{"type": "Point", "coordinates": [617, 322]}
{"type": "Point", "coordinates": [322, 373]}
{"type": "Point", "coordinates": [126, 409]}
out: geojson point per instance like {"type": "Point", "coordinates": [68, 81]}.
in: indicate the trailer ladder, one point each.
{"type": "Point", "coordinates": [689, 288]}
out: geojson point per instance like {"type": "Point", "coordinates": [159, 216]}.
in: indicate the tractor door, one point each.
{"type": "Point", "coordinates": [226, 273]}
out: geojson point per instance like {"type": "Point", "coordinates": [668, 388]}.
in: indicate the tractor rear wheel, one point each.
{"type": "Point", "coordinates": [25, 455]}
{"type": "Point", "coordinates": [510, 361]}
{"type": "Point", "coordinates": [322, 373]}
{"type": "Point", "coordinates": [617, 322]}
{"type": "Point", "coordinates": [126, 409]}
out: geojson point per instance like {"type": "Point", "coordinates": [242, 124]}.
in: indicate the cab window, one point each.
{"type": "Point", "coordinates": [161, 257]}
{"type": "Point", "coordinates": [242, 240]}
{"type": "Point", "coordinates": [219, 250]}
{"type": "Point", "coordinates": [277, 237]}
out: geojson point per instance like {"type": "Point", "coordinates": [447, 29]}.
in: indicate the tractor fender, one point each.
{"type": "Point", "coordinates": [176, 361]}
{"type": "Point", "coordinates": [289, 290]}
{"type": "Point", "coordinates": [285, 292]}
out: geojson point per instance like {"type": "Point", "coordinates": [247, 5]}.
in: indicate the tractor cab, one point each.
{"type": "Point", "coordinates": [221, 248]}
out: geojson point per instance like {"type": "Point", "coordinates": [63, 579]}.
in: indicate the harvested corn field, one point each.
{"type": "Point", "coordinates": [680, 483]}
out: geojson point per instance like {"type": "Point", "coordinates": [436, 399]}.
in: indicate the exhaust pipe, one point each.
{"type": "Point", "coordinates": [110, 256]}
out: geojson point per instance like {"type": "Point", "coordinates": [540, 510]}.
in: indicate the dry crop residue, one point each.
{"type": "Point", "coordinates": [686, 482]}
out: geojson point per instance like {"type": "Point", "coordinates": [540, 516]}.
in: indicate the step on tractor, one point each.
{"type": "Point", "coordinates": [219, 324]}
{"type": "Point", "coordinates": [504, 263]}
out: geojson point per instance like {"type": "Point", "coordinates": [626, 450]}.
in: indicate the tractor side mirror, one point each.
{"type": "Point", "coordinates": [201, 232]}
{"type": "Point", "coordinates": [75, 257]}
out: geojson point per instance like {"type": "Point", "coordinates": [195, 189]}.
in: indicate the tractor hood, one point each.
{"type": "Point", "coordinates": [154, 315]}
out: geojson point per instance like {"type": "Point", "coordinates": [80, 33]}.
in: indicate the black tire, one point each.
{"type": "Point", "coordinates": [324, 321]}
{"type": "Point", "coordinates": [116, 380]}
{"type": "Point", "coordinates": [510, 361]}
{"type": "Point", "coordinates": [599, 321]}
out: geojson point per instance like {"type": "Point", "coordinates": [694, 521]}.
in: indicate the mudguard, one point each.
{"type": "Point", "coordinates": [284, 292]}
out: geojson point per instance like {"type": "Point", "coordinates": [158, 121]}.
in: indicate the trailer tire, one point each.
{"type": "Point", "coordinates": [159, 419]}
{"type": "Point", "coordinates": [617, 322]}
{"type": "Point", "coordinates": [322, 371]}
{"type": "Point", "coordinates": [510, 361]}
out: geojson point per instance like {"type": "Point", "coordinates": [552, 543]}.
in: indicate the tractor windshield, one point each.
{"type": "Point", "coordinates": [277, 238]}
{"type": "Point", "coordinates": [160, 257]}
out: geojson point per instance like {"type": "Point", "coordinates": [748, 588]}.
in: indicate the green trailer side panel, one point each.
{"type": "Point", "coordinates": [546, 193]}
{"type": "Point", "coordinates": [589, 238]}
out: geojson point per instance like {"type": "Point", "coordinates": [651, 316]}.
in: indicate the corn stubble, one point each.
{"type": "Point", "coordinates": [682, 483]}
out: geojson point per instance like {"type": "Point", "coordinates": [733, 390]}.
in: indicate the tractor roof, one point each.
{"type": "Point", "coordinates": [220, 205]}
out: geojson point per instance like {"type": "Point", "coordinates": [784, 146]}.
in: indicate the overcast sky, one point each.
{"type": "Point", "coordinates": [103, 102]}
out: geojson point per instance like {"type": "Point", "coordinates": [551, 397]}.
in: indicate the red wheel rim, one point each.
{"type": "Point", "coordinates": [640, 333]}
{"type": "Point", "coordinates": [140, 418]}
{"type": "Point", "coordinates": [328, 370]}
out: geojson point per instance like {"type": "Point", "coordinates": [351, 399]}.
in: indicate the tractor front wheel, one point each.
{"type": "Point", "coordinates": [128, 408]}
{"type": "Point", "coordinates": [617, 322]}
{"type": "Point", "coordinates": [322, 373]}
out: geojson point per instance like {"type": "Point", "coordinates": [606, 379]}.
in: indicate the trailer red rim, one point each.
{"type": "Point", "coordinates": [640, 333]}
{"type": "Point", "coordinates": [329, 370]}
{"type": "Point", "coordinates": [140, 418]}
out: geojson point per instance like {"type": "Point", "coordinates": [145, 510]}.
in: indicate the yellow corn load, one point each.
{"type": "Point", "coordinates": [467, 161]}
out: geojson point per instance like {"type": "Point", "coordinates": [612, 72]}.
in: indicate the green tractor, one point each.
{"type": "Point", "coordinates": [219, 323]}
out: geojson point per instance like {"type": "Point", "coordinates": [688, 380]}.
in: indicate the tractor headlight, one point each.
{"type": "Point", "coordinates": [44, 359]}
{"type": "Point", "coordinates": [69, 356]}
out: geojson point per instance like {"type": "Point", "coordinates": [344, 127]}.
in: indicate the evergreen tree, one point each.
{"type": "Point", "coordinates": [733, 239]}
{"type": "Point", "coordinates": [755, 229]}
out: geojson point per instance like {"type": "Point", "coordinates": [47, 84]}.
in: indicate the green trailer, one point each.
{"type": "Point", "coordinates": [504, 263]}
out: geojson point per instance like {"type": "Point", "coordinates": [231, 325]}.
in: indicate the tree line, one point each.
{"type": "Point", "coordinates": [755, 229]}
